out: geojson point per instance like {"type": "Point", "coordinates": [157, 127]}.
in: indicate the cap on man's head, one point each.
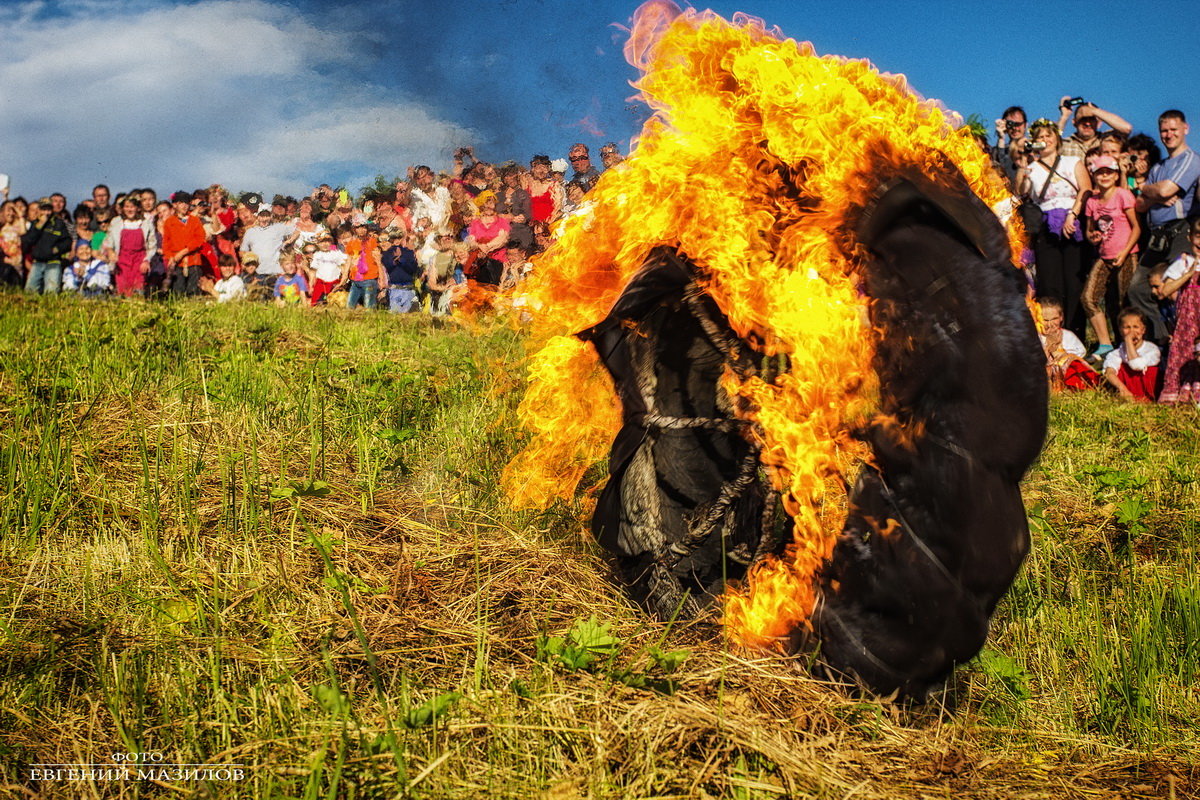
{"type": "Point", "coordinates": [252, 200]}
{"type": "Point", "coordinates": [264, 212]}
{"type": "Point", "coordinates": [249, 257]}
{"type": "Point", "coordinates": [279, 200]}
{"type": "Point", "coordinates": [181, 197]}
{"type": "Point", "coordinates": [45, 203]}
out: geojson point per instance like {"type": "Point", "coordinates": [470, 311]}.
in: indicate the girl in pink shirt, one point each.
{"type": "Point", "coordinates": [1113, 228]}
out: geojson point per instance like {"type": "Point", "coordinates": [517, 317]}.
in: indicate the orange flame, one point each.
{"type": "Point", "coordinates": [756, 163]}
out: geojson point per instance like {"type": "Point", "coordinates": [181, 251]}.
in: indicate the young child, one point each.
{"type": "Point", "coordinates": [290, 287]}
{"type": "Point", "coordinates": [231, 286]}
{"type": "Point", "coordinates": [83, 230]}
{"type": "Point", "coordinates": [1181, 284]}
{"type": "Point", "coordinates": [515, 266]}
{"type": "Point", "coordinates": [1112, 226]}
{"type": "Point", "coordinates": [1132, 369]}
{"type": "Point", "coordinates": [93, 276]}
{"type": "Point", "coordinates": [326, 266]}
{"type": "Point", "coordinates": [440, 275]}
{"type": "Point", "coordinates": [1065, 354]}
{"type": "Point", "coordinates": [258, 287]}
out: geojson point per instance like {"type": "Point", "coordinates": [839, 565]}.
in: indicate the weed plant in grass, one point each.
{"type": "Point", "coordinates": [260, 536]}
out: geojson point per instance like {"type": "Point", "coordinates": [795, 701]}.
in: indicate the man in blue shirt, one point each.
{"type": "Point", "coordinates": [1167, 198]}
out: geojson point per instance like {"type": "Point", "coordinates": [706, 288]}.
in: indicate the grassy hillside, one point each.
{"type": "Point", "coordinates": [252, 536]}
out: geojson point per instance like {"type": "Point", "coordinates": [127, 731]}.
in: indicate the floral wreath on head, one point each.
{"type": "Point", "coordinates": [1042, 122]}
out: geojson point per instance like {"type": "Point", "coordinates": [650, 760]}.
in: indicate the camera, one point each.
{"type": "Point", "coordinates": [1074, 102]}
{"type": "Point", "coordinates": [1033, 147]}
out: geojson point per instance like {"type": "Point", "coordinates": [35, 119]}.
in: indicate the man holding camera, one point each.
{"type": "Point", "coordinates": [1088, 118]}
{"type": "Point", "coordinates": [1011, 135]}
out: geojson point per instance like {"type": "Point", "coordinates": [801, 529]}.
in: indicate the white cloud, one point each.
{"type": "Point", "coordinates": [250, 94]}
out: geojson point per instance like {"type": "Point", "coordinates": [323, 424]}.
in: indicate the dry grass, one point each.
{"type": "Point", "coordinates": [158, 599]}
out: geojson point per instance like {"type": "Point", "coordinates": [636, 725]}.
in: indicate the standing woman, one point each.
{"type": "Point", "coordinates": [12, 227]}
{"type": "Point", "coordinates": [545, 194]}
{"type": "Point", "coordinates": [307, 230]}
{"type": "Point", "coordinates": [512, 203]}
{"type": "Point", "coordinates": [1060, 186]}
{"type": "Point", "coordinates": [488, 235]}
{"type": "Point", "coordinates": [130, 245]}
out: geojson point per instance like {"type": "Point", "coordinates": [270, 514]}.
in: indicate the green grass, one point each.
{"type": "Point", "coordinates": [258, 536]}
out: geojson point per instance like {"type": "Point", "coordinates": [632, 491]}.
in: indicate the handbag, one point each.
{"type": "Point", "coordinates": [1030, 210]}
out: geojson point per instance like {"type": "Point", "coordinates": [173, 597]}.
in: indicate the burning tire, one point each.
{"type": "Point", "coordinates": [936, 529]}
{"type": "Point", "coordinates": [825, 382]}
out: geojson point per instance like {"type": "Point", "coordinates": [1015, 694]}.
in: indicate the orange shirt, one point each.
{"type": "Point", "coordinates": [354, 249]}
{"type": "Point", "coordinates": [179, 235]}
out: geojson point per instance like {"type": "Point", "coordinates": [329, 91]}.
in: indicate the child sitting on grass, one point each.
{"type": "Point", "coordinates": [440, 274]}
{"type": "Point", "coordinates": [258, 287]}
{"type": "Point", "coordinates": [231, 286]}
{"type": "Point", "coordinates": [1132, 369]}
{"type": "Point", "coordinates": [1065, 354]}
{"type": "Point", "coordinates": [90, 276]}
{"type": "Point", "coordinates": [1181, 283]}
{"type": "Point", "coordinates": [1166, 304]}
{"type": "Point", "coordinates": [290, 287]}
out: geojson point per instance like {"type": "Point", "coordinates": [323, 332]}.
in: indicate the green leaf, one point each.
{"type": "Point", "coordinates": [397, 436]}
{"type": "Point", "coordinates": [301, 489]}
{"type": "Point", "coordinates": [670, 661]}
{"type": "Point", "coordinates": [331, 698]}
{"type": "Point", "coordinates": [428, 712]}
{"type": "Point", "coordinates": [1131, 511]}
{"type": "Point", "coordinates": [1009, 673]}
{"type": "Point", "coordinates": [594, 636]}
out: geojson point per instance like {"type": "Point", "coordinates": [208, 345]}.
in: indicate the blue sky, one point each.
{"type": "Point", "coordinates": [278, 96]}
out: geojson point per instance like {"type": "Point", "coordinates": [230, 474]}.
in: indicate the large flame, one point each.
{"type": "Point", "coordinates": [757, 159]}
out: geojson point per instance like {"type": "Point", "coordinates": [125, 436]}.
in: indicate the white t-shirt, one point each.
{"type": "Point", "coordinates": [1063, 185]}
{"type": "Point", "coordinates": [230, 288]}
{"type": "Point", "coordinates": [1070, 344]}
{"type": "Point", "coordinates": [265, 243]}
{"type": "Point", "coordinates": [1147, 355]}
{"type": "Point", "coordinates": [327, 264]}
{"type": "Point", "coordinates": [1180, 267]}
{"type": "Point", "coordinates": [435, 205]}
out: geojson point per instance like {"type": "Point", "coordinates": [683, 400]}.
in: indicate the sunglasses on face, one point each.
{"type": "Point", "coordinates": [577, 159]}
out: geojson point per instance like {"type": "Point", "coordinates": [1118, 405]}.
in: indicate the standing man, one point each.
{"type": "Point", "coordinates": [430, 200]}
{"type": "Point", "coordinates": [610, 155]}
{"type": "Point", "coordinates": [184, 237]}
{"type": "Point", "coordinates": [58, 203]}
{"type": "Point", "coordinates": [266, 240]}
{"type": "Point", "coordinates": [1011, 133]}
{"type": "Point", "coordinates": [48, 242]}
{"type": "Point", "coordinates": [1087, 126]}
{"type": "Point", "coordinates": [585, 174]}
{"type": "Point", "coordinates": [1167, 197]}
{"type": "Point", "coordinates": [100, 205]}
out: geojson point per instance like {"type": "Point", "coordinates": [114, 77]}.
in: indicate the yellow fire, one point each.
{"type": "Point", "coordinates": [758, 158]}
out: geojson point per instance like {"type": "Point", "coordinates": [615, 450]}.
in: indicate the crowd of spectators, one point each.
{"type": "Point", "coordinates": [1114, 232]}
{"type": "Point", "coordinates": [1112, 221]}
{"type": "Point", "coordinates": [417, 245]}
